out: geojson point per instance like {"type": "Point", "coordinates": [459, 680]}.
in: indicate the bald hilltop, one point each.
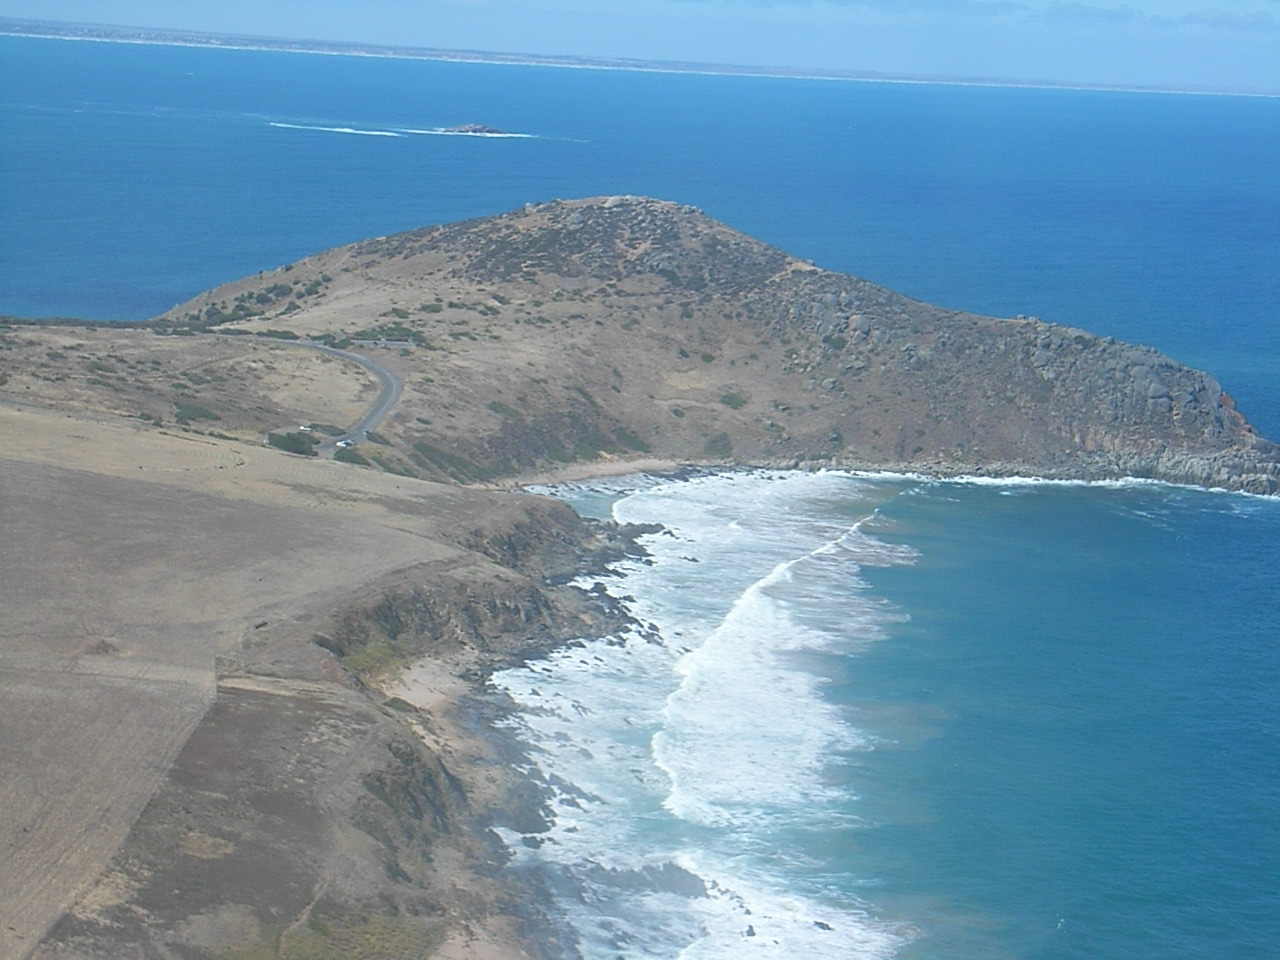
{"type": "Point", "coordinates": [617, 327]}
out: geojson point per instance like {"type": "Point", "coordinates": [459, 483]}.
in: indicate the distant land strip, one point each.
{"type": "Point", "coordinates": [107, 33]}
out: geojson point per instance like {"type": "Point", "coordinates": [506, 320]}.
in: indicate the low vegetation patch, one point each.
{"type": "Point", "coordinates": [348, 455]}
{"type": "Point", "coordinates": [504, 409]}
{"type": "Point", "coordinates": [630, 440]}
{"type": "Point", "coordinates": [186, 412]}
{"type": "Point", "coordinates": [393, 331]}
{"type": "Point", "coordinates": [434, 458]}
{"type": "Point", "coordinates": [719, 446]}
{"type": "Point", "coordinates": [299, 443]}
{"type": "Point", "coordinates": [381, 937]}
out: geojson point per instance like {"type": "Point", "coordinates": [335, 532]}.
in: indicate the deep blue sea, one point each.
{"type": "Point", "coordinates": [874, 717]}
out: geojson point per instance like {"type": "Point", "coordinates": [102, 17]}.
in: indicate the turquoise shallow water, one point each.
{"type": "Point", "coordinates": [923, 720]}
{"type": "Point", "coordinates": [1024, 721]}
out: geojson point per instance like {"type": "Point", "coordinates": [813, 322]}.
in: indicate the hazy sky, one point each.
{"type": "Point", "coordinates": [1218, 44]}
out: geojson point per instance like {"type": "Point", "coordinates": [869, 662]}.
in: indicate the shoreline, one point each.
{"type": "Point", "coordinates": [158, 37]}
{"type": "Point", "coordinates": [591, 470]}
{"type": "Point", "coordinates": [478, 690]}
{"type": "Point", "coordinates": [961, 474]}
{"type": "Point", "coordinates": [458, 721]}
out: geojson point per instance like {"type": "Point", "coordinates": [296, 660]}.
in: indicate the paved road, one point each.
{"type": "Point", "coordinates": [387, 397]}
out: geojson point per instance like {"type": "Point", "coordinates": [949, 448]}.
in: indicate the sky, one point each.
{"type": "Point", "coordinates": [1226, 45]}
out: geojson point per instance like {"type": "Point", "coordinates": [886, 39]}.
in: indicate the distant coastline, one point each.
{"type": "Point", "coordinates": [107, 33]}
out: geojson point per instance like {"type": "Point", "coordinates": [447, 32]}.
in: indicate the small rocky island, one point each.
{"type": "Point", "coordinates": [477, 130]}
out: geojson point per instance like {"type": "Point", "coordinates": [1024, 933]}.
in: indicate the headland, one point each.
{"type": "Point", "coordinates": [217, 741]}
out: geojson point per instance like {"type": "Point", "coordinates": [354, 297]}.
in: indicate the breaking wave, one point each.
{"type": "Point", "coordinates": [692, 761]}
{"type": "Point", "coordinates": [352, 130]}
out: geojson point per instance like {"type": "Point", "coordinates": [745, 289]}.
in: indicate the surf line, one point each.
{"type": "Point", "coordinates": [352, 130]}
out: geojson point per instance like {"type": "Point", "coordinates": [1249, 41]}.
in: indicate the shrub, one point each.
{"type": "Point", "coordinates": [719, 446]}
{"type": "Point", "coordinates": [504, 409]}
{"type": "Point", "coordinates": [449, 463]}
{"type": "Point", "coordinates": [348, 455]}
{"type": "Point", "coordinates": [186, 412]}
{"type": "Point", "coordinates": [630, 440]}
{"type": "Point", "coordinates": [733, 400]}
{"type": "Point", "coordinates": [299, 443]}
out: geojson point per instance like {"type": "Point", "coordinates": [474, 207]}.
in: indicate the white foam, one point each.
{"type": "Point", "coordinates": [446, 132]}
{"type": "Point", "coordinates": [743, 917]}
{"type": "Point", "coordinates": [747, 736]}
{"type": "Point", "coordinates": [351, 130]}
{"type": "Point", "coordinates": [743, 736]}
{"type": "Point", "coordinates": [702, 752]}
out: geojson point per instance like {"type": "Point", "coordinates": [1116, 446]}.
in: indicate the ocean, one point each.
{"type": "Point", "coordinates": [863, 716]}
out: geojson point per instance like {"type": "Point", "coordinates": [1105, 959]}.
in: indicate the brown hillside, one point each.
{"type": "Point", "coordinates": [580, 329]}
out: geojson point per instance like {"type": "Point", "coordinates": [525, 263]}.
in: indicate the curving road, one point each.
{"type": "Point", "coordinates": [390, 383]}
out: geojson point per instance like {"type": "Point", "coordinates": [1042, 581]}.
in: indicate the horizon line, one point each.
{"type": "Point", "coordinates": [168, 37]}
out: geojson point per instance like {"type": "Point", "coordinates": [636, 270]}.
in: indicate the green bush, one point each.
{"type": "Point", "coordinates": [348, 455]}
{"type": "Point", "coordinates": [733, 400]}
{"type": "Point", "coordinates": [719, 446]}
{"type": "Point", "coordinates": [504, 409]}
{"type": "Point", "coordinates": [630, 440]}
{"type": "Point", "coordinates": [186, 412]}
{"type": "Point", "coordinates": [299, 443]}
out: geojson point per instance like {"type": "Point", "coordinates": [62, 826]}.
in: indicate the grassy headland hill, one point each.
{"type": "Point", "coordinates": [571, 331]}
{"type": "Point", "coordinates": [210, 746]}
